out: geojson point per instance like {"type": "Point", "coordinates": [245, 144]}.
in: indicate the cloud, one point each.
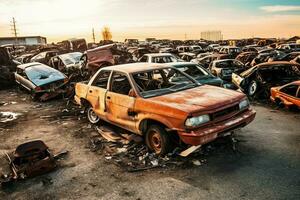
{"type": "Point", "coordinates": [280, 8]}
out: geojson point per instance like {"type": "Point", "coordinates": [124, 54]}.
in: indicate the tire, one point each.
{"type": "Point", "coordinates": [158, 140]}
{"type": "Point", "coordinates": [92, 116]}
{"type": "Point", "coordinates": [253, 88]}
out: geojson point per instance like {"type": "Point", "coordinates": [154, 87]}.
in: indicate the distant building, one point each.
{"type": "Point", "coordinates": [212, 35]}
{"type": "Point", "coordinates": [26, 40]}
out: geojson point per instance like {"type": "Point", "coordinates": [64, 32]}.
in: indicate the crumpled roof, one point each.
{"type": "Point", "coordinates": [42, 74]}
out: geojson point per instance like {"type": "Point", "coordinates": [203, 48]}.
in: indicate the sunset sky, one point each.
{"type": "Point", "coordinates": [63, 19]}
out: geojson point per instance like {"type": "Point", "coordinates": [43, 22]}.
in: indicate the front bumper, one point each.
{"type": "Point", "coordinates": [208, 134]}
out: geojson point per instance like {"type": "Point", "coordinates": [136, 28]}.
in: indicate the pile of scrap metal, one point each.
{"type": "Point", "coordinates": [7, 67]}
{"type": "Point", "coordinates": [103, 56]}
{"type": "Point", "coordinates": [30, 159]}
{"type": "Point", "coordinates": [257, 81]}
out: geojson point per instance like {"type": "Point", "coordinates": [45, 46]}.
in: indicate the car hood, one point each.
{"type": "Point", "coordinates": [210, 80]}
{"type": "Point", "coordinates": [199, 99]}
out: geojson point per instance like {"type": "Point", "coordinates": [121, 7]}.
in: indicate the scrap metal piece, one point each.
{"type": "Point", "coordinates": [30, 159]}
{"type": "Point", "coordinates": [190, 150]}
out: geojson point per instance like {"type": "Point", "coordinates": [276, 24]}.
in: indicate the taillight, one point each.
{"type": "Point", "coordinates": [38, 89]}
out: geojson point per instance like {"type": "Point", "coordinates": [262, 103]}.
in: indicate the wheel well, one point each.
{"type": "Point", "coordinates": [148, 122]}
{"type": "Point", "coordinates": [172, 133]}
{"type": "Point", "coordinates": [84, 103]}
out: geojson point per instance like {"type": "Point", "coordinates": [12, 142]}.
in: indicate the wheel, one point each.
{"type": "Point", "coordinates": [158, 140]}
{"type": "Point", "coordinates": [92, 116]}
{"type": "Point", "coordinates": [252, 89]}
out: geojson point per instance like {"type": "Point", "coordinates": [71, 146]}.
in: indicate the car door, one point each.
{"type": "Point", "coordinates": [97, 92]}
{"type": "Point", "coordinates": [119, 104]}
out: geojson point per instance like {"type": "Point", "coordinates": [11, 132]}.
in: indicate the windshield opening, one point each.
{"type": "Point", "coordinates": [229, 64]}
{"type": "Point", "coordinates": [162, 81]}
{"type": "Point", "coordinates": [193, 70]}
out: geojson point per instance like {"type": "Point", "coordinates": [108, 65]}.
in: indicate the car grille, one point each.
{"type": "Point", "coordinates": [225, 112]}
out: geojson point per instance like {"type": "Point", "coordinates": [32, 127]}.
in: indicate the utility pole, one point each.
{"type": "Point", "coordinates": [14, 30]}
{"type": "Point", "coordinates": [94, 39]}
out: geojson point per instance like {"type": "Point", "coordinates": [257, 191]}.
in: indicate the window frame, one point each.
{"type": "Point", "coordinates": [109, 89]}
{"type": "Point", "coordinates": [108, 80]}
{"type": "Point", "coordinates": [296, 93]}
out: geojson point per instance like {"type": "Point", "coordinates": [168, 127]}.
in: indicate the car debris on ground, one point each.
{"type": "Point", "coordinates": [28, 160]}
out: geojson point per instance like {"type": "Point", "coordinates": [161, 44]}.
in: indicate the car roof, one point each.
{"type": "Point", "coordinates": [24, 66]}
{"type": "Point", "coordinates": [296, 82]}
{"type": "Point", "coordinates": [265, 64]}
{"type": "Point", "coordinates": [224, 60]}
{"type": "Point", "coordinates": [158, 54]}
{"type": "Point", "coordinates": [178, 64]}
{"type": "Point", "coordinates": [135, 67]}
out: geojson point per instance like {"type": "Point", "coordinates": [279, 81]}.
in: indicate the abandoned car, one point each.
{"type": "Point", "coordinates": [67, 63]}
{"type": "Point", "coordinates": [142, 98]}
{"type": "Point", "coordinates": [258, 80]}
{"type": "Point", "coordinates": [206, 60]}
{"type": "Point", "coordinates": [287, 95]}
{"type": "Point", "coordinates": [42, 81]}
{"type": "Point", "coordinates": [104, 56]}
{"type": "Point", "coordinates": [44, 57]}
{"type": "Point", "coordinates": [200, 74]}
{"type": "Point", "coordinates": [224, 69]}
{"type": "Point", "coordinates": [159, 58]}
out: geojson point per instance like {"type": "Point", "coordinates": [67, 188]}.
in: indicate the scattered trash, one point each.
{"type": "Point", "coordinates": [190, 150]}
{"type": "Point", "coordinates": [8, 116]}
{"type": "Point", "coordinates": [196, 162]}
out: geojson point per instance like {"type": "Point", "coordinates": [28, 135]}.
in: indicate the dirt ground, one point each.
{"type": "Point", "coordinates": [265, 165]}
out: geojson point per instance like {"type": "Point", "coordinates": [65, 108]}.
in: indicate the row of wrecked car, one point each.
{"type": "Point", "coordinates": [220, 70]}
{"type": "Point", "coordinates": [184, 97]}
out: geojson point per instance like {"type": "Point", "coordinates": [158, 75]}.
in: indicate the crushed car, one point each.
{"type": "Point", "coordinates": [224, 69]}
{"type": "Point", "coordinates": [143, 99]}
{"type": "Point", "coordinates": [287, 95]}
{"type": "Point", "coordinates": [68, 63]}
{"type": "Point", "coordinates": [7, 69]}
{"type": "Point", "coordinates": [30, 159]}
{"type": "Point", "coordinates": [246, 57]}
{"type": "Point", "coordinates": [103, 56]}
{"type": "Point", "coordinates": [257, 81]}
{"type": "Point", "coordinates": [42, 81]}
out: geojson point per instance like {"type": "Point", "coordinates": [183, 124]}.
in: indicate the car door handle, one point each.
{"type": "Point", "coordinates": [108, 97]}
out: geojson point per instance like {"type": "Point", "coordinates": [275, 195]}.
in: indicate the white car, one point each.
{"type": "Point", "coordinates": [159, 58]}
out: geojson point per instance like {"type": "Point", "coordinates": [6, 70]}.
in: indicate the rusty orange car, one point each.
{"type": "Point", "coordinates": [287, 95]}
{"type": "Point", "coordinates": [163, 104]}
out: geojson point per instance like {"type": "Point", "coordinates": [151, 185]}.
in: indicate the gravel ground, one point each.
{"type": "Point", "coordinates": [265, 165]}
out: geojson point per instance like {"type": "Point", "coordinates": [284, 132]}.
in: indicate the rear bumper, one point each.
{"type": "Point", "coordinates": [208, 134]}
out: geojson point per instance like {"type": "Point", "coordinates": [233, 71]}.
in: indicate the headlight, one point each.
{"type": "Point", "coordinates": [196, 121]}
{"type": "Point", "coordinates": [244, 104]}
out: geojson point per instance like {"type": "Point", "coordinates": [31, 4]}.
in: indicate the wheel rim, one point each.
{"type": "Point", "coordinates": [155, 141]}
{"type": "Point", "coordinates": [252, 88]}
{"type": "Point", "coordinates": [93, 118]}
